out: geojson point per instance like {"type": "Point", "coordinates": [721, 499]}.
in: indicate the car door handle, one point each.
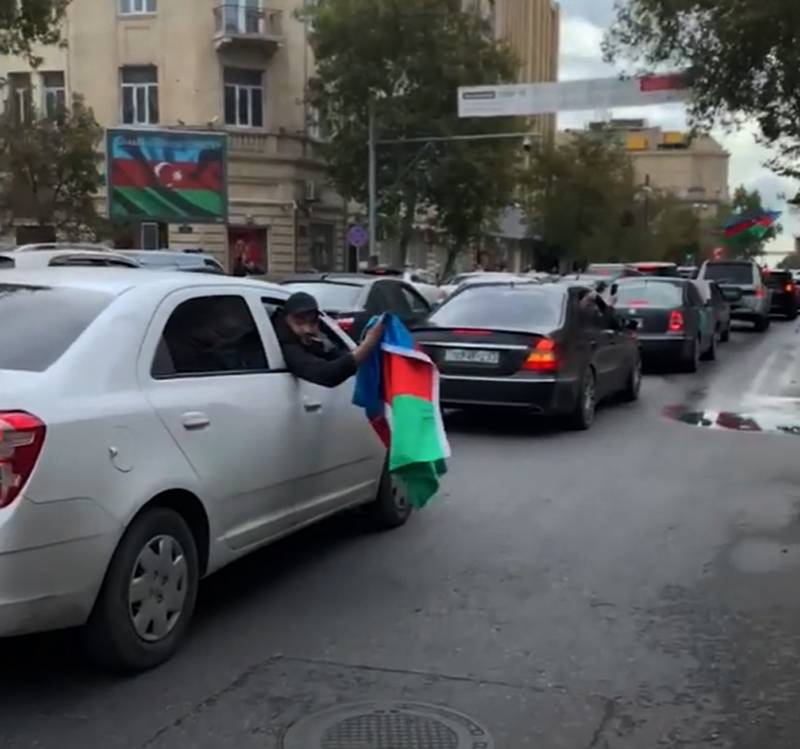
{"type": "Point", "coordinates": [194, 420]}
{"type": "Point", "coordinates": [312, 406]}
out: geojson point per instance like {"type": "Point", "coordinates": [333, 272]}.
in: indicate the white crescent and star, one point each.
{"type": "Point", "coordinates": [175, 177]}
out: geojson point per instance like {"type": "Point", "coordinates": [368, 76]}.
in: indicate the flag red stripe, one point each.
{"type": "Point", "coordinates": [742, 226]}
{"type": "Point", "coordinates": [406, 376]}
{"type": "Point", "coordinates": [177, 176]}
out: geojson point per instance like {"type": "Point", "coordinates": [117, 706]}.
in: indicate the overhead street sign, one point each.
{"type": "Point", "coordinates": [528, 99]}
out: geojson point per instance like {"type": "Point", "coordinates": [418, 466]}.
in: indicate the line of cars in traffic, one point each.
{"type": "Point", "coordinates": [560, 345]}
{"type": "Point", "coordinates": [151, 434]}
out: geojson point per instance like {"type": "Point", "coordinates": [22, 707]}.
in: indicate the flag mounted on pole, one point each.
{"type": "Point", "coordinates": [750, 226]}
{"type": "Point", "coordinates": [398, 387]}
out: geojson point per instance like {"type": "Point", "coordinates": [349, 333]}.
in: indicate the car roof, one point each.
{"type": "Point", "coordinates": [522, 285]}
{"type": "Point", "coordinates": [654, 264]}
{"type": "Point", "coordinates": [352, 279]}
{"type": "Point", "coordinates": [675, 280]}
{"type": "Point", "coordinates": [117, 281]}
{"type": "Point", "coordinates": [77, 253]}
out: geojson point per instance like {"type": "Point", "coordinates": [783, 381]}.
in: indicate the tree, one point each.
{"type": "Point", "coordinates": [49, 171]}
{"type": "Point", "coordinates": [406, 59]}
{"type": "Point", "coordinates": [29, 22]}
{"type": "Point", "coordinates": [741, 57]}
{"type": "Point", "coordinates": [583, 200]}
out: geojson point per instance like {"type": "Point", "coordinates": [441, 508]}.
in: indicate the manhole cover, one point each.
{"type": "Point", "coordinates": [387, 725]}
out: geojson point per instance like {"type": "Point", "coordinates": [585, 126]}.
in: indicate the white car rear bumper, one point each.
{"type": "Point", "coordinates": [53, 558]}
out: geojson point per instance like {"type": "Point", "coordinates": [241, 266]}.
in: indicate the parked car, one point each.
{"type": "Point", "coordinates": [744, 275]}
{"type": "Point", "coordinates": [150, 435]}
{"type": "Point", "coordinates": [422, 280]}
{"type": "Point", "coordinates": [182, 260]}
{"type": "Point", "coordinates": [352, 299]}
{"type": "Point", "coordinates": [674, 323]}
{"type": "Point", "coordinates": [784, 293]}
{"type": "Point", "coordinates": [30, 260]}
{"type": "Point", "coordinates": [612, 271]}
{"type": "Point", "coordinates": [658, 269]}
{"type": "Point", "coordinates": [719, 302]}
{"type": "Point", "coordinates": [537, 348]}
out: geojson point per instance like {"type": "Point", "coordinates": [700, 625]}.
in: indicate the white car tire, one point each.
{"type": "Point", "coordinates": [148, 596]}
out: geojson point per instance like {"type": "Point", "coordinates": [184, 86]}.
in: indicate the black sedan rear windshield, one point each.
{"type": "Point", "coordinates": [331, 297]}
{"type": "Point", "coordinates": [649, 294]}
{"type": "Point", "coordinates": [778, 279]}
{"type": "Point", "coordinates": [40, 323]}
{"type": "Point", "coordinates": [502, 308]}
{"type": "Point", "coordinates": [734, 273]}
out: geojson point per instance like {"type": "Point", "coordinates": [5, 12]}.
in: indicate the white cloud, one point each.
{"type": "Point", "coordinates": [582, 34]}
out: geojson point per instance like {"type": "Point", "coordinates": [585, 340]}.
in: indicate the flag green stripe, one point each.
{"type": "Point", "coordinates": [416, 455]}
{"type": "Point", "coordinates": [415, 433]}
{"type": "Point", "coordinates": [155, 202]}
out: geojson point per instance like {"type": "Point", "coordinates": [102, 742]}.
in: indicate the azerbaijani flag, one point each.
{"type": "Point", "coordinates": [750, 226]}
{"type": "Point", "coordinates": [167, 176]}
{"type": "Point", "coordinates": [399, 389]}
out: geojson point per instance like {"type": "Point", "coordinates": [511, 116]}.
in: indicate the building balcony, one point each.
{"type": "Point", "coordinates": [240, 26]}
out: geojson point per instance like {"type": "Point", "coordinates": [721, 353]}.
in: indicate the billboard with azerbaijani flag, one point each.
{"type": "Point", "coordinates": [167, 175]}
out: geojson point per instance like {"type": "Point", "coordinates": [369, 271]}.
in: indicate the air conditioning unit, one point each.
{"type": "Point", "coordinates": [310, 191]}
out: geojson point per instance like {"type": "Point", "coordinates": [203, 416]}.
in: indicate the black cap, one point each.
{"type": "Point", "coordinates": [300, 303]}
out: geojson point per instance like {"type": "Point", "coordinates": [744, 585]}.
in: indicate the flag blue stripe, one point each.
{"type": "Point", "coordinates": [157, 149]}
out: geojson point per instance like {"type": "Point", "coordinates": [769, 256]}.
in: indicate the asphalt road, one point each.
{"type": "Point", "coordinates": [633, 587]}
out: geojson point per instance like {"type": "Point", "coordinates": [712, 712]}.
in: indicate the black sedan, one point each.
{"type": "Point", "coordinates": [549, 349]}
{"type": "Point", "coordinates": [352, 299]}
{"type": "Point", "coordinates": [674, 322]}
{"type": "Point", "coordinates": [784, 293]}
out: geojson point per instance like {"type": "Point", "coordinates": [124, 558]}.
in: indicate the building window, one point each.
{"type": "Point", "coordinates": [136, 7]}
{"type": "Point", "coordinates": [140, 95]}
{"type": "Point", "coordinates": [244, 97]}
{"type": "Point", "coordinates": [20, 98]}
{"type": "Point", "coordinates": [244, 17]}
{"type": "Point", "coordinates": [54, 94]}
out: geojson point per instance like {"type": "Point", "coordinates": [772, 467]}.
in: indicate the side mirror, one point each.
{"type": "Point", "coordinates": [614, 289]}
{"type": "Point", "coordinates": [631, 324]}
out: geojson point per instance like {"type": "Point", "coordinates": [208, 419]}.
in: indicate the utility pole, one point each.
{"type": "Point", "coordinates": [373, 183]}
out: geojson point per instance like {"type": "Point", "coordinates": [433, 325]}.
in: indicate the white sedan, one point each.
{"type": "Point", "coordinates": [150, 435]}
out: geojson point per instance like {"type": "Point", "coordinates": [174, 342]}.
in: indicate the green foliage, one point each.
{"type": "Point", "coordinates": [50, 171]}
{"type": "Point", "coordinates": [408, 57]}
{"type": "Point", "coordinates": [583, 198]}
{"type": "Point", "coordinates": [741, 56]}
{"type": "Point", "coordinates": [23, 24]}
{"type": "Point", "coordinates": [587, 206]}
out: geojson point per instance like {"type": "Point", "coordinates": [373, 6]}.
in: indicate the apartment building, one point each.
{"type": "Point", "coordinates": [694, 169]}
{"type": "Point", "coordinates": [532, 28]}
{"type": "Point", "coordinates": [237, 67]}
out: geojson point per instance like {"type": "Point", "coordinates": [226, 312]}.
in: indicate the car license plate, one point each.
{"type": "Point", "coordinates": [471, 356]}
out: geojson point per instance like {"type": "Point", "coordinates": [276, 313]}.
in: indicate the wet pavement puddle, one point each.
{"type": "Point", "coordinates": [775, 416]}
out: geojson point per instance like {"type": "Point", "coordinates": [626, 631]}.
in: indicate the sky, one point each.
{"type": "Point", "coordinates": [583, 24]}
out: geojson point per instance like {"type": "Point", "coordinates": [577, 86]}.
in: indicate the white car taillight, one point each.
{"type": "Point", "coordinates": [21, 442]}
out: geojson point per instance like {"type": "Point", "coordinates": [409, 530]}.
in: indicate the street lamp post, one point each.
{"type": "Point", "coordinates": [372, 182]}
